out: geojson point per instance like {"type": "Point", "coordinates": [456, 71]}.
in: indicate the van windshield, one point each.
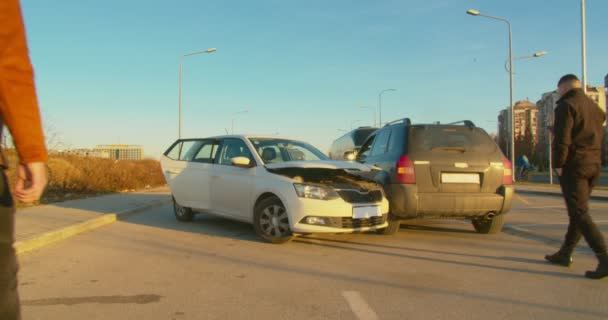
{"type": "Point", "coordinates": [362, 134]}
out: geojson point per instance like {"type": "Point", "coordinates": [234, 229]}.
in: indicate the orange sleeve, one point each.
{"type": "Point", "coordinates": [18, 102]}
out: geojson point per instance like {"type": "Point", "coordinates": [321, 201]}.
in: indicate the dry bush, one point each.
{"type": "Point", "coordinates": [73, 176]}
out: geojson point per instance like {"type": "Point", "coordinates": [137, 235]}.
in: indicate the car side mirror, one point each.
{"type": "Point", "coordinates": [350, 155]}
{"type": "Point", "coordinates": [242, 162]}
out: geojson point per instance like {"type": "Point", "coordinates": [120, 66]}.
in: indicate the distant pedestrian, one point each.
{"type": "Point", "coordinates": [524, 166]}
{"type": "Point", "coordinates": [19, 111]}
{"type": "Point", "coordinates": [577, 145]}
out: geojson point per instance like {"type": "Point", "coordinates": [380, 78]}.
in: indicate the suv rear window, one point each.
{"type": "Point", "coordinates": [449, 138]}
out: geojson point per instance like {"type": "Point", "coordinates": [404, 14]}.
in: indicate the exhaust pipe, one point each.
{"type": "Point", "coordinates": [490, 215]}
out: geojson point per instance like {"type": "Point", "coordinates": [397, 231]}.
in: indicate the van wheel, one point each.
{"type": "Point", "coordinates": [182, 214]}
{"type": "Point", "coordinates": [270, 221]}
{"type": "Point", "coordinates": [489, 226]}
{"type": "Point", "coordinates": [393, 226]}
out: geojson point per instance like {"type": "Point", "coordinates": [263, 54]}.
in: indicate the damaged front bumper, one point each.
{"type": "Point", "coordinates": [334, 216]}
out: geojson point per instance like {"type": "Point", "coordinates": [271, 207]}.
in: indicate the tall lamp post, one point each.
{"type": "Point", "coordinates": [380, 105]}
{"type": "Point", "coordinates": [234, 116]}
{"type": "Point", "coordinates": [512, 113]}
{"type": "Point", "coordinates": [373, 113]}
{"type": "Point", "coordinates": [181, 61]}
{"type": "Point", "coordinates": [584, 45]}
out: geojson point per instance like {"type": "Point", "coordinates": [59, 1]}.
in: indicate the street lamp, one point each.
{"type": "Point", "coordinates": [535, 55]}
{"type": "Point", "coordinates": [584, 45]}
{"type": "Point", "coordinates": [512, 122]}
{"type": "Point", "coordinates": [181, 60]}
{"type": "Point", "coordinates": [380, 105]}
{"type": "Point", "coordinates": [373, 113]}
{"type": "Point", "coordinates": [234, 116]}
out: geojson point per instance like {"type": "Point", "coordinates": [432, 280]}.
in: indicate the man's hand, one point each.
{"type": "Point", "coordinates": [558, 171]}
{"type": "Point", "coordinates": [31, 181]}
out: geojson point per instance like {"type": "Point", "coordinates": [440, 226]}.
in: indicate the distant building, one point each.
{"type": "Point", "coordinates": [525, 116]}
{"type": "Point", "coordinates": [121, 151]}
{"type": "Point", "coordinates": [85, 153]}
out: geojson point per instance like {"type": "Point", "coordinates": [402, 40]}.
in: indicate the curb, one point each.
{"type": "Point", "coordinates": [53, 236]}
{"type": "Point", "coordinates": [557, 194]}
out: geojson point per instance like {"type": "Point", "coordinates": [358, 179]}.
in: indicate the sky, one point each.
{"type": "Point", "coordinates": [108, 71]}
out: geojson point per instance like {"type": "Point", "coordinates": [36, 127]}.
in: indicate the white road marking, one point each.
{"type": "Point", "coordinates": [359, 307]}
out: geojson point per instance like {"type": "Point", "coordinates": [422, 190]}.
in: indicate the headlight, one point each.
{"type": "Point", "coordinates": [315, 192]}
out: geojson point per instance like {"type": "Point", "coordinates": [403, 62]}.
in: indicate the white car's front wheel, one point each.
{"type": "Point", "coordinates": [270, 221]}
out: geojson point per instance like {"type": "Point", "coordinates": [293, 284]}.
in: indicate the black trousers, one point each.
{"type": "Point", "coordinates": [577, 184]}
{"type": "Point", "coordinates": [9, 298]}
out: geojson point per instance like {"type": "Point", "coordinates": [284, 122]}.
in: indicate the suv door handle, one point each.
{"type": "Point", "coordinates": [171, 171]}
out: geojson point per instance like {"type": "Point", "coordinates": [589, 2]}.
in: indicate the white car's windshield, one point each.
{"type": "Point", "coordinates": [281, 150]}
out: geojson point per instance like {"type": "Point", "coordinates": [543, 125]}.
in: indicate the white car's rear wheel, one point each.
{"type": "Point", "coordinates": [270, 221]}
{"type": "Point", "coordinates": [183, 214]}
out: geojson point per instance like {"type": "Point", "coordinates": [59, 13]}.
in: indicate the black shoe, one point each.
{"type": "Point", "coordinates": [559, 258]}
{"type": "Point", "coordinates": [602, 268]}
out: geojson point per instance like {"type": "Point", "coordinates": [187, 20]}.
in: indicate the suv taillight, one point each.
{"type": "Point", "coordinates": [405, 171]}
{"type": "Point", "coordinates": [507, 176]}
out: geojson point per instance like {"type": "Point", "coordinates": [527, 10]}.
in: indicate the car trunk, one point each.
{"type": "Point", "coordinates": [455, 159]}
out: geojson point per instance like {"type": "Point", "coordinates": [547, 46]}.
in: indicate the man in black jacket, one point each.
{"type": "Point", "coordinates": [577, 146]}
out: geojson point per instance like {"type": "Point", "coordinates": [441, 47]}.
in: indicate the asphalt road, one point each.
{"type": "Point", "coordinates": [153, 267]}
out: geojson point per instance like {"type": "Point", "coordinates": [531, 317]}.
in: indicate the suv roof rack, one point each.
{"type": "Point", "coordinates": [467, 123]}
{"type": "Point", "coordinates": [406, 121]}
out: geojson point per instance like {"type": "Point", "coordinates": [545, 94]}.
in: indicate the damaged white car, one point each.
{"type": "Point", "coordinates": [283, 187]}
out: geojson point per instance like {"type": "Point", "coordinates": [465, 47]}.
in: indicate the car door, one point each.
{"type": "Point", "coordinates": [232, 186]}
{"type": "Point", "coordinates": [172, 169]}
{"type": "Point", "coordinates": [197, 183]}
{"type": "Point", "coordinates": [179, 171]}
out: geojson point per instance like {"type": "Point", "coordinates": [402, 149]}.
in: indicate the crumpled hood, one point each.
{"type": "Point", "coordinates": [337, 174]}
{"type": "Point", "coordinates": [321, 164]}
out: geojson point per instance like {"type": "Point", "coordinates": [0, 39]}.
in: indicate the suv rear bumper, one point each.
{"type": "Point", "coordinates": [407, 203]}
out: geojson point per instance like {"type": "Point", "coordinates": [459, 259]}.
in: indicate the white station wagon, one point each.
{"type": "Point", "coordinates": [283, 187]}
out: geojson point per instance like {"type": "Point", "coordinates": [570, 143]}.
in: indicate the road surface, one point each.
{"type": "Point", "coordinates": [153, 267]}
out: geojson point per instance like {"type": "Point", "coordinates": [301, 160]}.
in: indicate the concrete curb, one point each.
{"type": "Point", "coordinates": [557, 194]}
{"type": "Point", "coordinates": [53, 236]}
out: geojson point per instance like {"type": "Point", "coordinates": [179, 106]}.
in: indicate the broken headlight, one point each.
{"type": "Point", "coordinates": [315, 192]}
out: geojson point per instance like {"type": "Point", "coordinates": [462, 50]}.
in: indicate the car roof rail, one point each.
{"type": "Point", "coordinates": [467, 123]}
{"type": "Point", "coordinates": [405, 121]}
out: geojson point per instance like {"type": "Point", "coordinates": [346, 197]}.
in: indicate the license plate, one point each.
{"type": "Point", "coordinates": [460, 178]}
{"type": "Point", "coordinates": [366, 212]}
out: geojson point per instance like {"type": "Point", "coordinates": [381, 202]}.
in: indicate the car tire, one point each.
{"type": "Point", "coordinates": [394, 224]}
{"type": "Point", "coordinates": [183, 214]}
{"type": "Point", "coordinates": [489, 226]}
{"type": "Point", "coordinates": [271, 222]}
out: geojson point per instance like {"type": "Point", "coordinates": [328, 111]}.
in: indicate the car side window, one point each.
{"type": "Point", "coordinates": [396, 143]}
{"type": "Point", "coordinates": [365, 148]}
{"type": "Point", "coordinates": [206, 152]}
{"type": "Point", "coordinates": [188, 149]}
{"type": "Point", "coordinates": [381, 145]}
{"type": "Point", "coordinates": [232, 148]}
{"type": "Point", "coordinates": [173, 153]}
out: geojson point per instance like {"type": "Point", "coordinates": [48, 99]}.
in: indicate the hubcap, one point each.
{"type": "Point", "coordinates": [274, 222]}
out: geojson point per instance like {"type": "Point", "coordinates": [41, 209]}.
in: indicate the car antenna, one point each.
{"type": "Point", "coordinates": [226, 131]}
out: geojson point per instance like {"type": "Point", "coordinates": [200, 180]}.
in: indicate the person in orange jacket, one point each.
{"type": "Point", "coordinates": [19, 112]}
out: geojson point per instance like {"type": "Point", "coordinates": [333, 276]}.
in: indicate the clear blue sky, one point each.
{"type": "Point", "coordinates": [107, 71]}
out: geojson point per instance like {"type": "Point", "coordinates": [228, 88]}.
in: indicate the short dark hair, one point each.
{"type": "Point", "coordinates": [567, 78]}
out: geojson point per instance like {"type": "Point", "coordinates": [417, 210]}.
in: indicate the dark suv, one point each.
{"type": "Point", "coordinates": [438, 170]}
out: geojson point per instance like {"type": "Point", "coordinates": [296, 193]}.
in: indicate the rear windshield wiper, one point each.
{"type": "Point", "coordinates": [461, 149]}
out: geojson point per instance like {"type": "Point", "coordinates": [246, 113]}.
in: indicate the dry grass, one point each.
{"type": "Point", "coordinates": [76, 177]}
